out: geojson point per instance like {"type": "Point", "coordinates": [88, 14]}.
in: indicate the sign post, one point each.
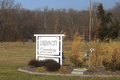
{"type": "Point", "coordinates": [49, 46]}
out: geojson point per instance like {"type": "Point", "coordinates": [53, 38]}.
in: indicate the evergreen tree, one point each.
{"type": "Point", "coordinates": [109, 25]}
{"type": "Point", "coordinates": [101, 14]}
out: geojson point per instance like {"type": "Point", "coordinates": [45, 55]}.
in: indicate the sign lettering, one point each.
{"type": "Point", "coordinates": [49, 46]}
{"type": "Point", "coordinates": [48, 43]}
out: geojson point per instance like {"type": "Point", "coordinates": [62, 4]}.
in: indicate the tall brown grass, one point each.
{"type": "Point", "coordinates": [77, 57]}
{"type": "Point", "coordinates": [106, 55]}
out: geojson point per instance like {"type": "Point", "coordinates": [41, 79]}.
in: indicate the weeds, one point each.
{"type": "Point", "coordinates": [63, 69]}
{"type": "Point", "coordinates": [41, 69]}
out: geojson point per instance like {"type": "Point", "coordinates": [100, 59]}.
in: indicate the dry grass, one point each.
{"type": "Point", "coordinates": [16, 52]}
{"type": "Point", "coordinates": [63, 69]}
{"type": "Point", "coordinates": [107, 52]}
{"type": "Point", "coordinates": [77, 56]}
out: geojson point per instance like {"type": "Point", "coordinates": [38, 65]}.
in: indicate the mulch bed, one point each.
{"type": "Point", "coordinates": [34, 69]}
{"type": "Point", "coordinates": [101, 71]}
{"type": "Point", "coordinates": [97, 71]}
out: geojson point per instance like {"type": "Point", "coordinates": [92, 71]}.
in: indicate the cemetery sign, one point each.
{"type": "Point", "coordinates": [49, 46]}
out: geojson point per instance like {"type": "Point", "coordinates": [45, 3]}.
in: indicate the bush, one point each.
{"type": "Point", "coordinates": [106, 55]}
{"type": "Point", "coordinates": [77, 61]}
{"type": "Point", "coordinates": [52, 66]}
{"type": "Point", "coordinates": [109, 66]}
{"type": "Point", "coordinates": [113, 65]}
{"type": "Point", "coordinates": [77, 57]}
{"type": "Point", "coordinates": [118, 66]}
{"type": "Point", "coordinates": [48, 61]}
{"type": "Point", "coordinates": [49, 64]}
{"type": "Point", "coordinates": [34, 63]}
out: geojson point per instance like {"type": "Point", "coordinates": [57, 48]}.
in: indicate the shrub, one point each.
{"type": "Point", "coordinates": [77, 60]}
{"type": "Point", "coordinates": [48, 61]}
{"type": "Point", "coordinates": [34, 63]}
{"type": "Point", "coordinates": [109, 66]}
{"type": "Point", "coordinates": [41, 63]}
{"type": "Point", "coordinates": [49, 64]}
{"type": "Point", "coordinates": [106, 55]}
{"type": "Point", "coordinates": [118, 66]}
{"type": "Point", "coordinates": [52, 66]}
{"type": "Point", "coordinates": [77, 57]}
{"type": "Point", "coordinates": [112, 65]}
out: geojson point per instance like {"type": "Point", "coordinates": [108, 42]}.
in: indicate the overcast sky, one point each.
{"type": "Point", "coordinates": [64, 4]}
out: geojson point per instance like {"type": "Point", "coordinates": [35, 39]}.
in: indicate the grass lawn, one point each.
{"type": "Point", "coordinates": [16, 55]}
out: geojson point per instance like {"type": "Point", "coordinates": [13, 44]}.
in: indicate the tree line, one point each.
{"type": "Point", "coordinates": [20, 24]}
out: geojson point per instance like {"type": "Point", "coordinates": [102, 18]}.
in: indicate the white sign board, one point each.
{"type": "Point", "coordinates": [43, 58]}
{"type": "Point", "coordinates": [49, 46]}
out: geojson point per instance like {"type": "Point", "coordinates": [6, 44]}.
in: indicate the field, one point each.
{"type": "Point", "coordinates": [16, 55]}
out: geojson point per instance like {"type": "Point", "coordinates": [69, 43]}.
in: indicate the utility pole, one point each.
{"type": "Point", "coordinates": [90, 36]}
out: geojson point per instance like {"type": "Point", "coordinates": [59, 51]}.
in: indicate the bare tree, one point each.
{"type": "Point", "coordinates": [116, 11]}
